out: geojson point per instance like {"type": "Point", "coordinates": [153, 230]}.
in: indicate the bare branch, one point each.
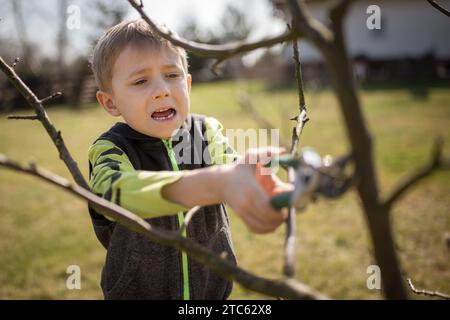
{"type": "Point", "coordinates": [302, 116]}
{"type": "Point", "coordinates": [290, 242]}
{"type": "Point", "coordinates": [337, 15]}
{"type": "Point", "coordinates": [290, 247]}
{"type": "Point", "coordinates": [439, 7]}
{"type": "Point", "coordinates": [427, 292]}
{"type": "Point", "coordinates": [309, 27]}
{"type": "Point", "coordinates": [23, 117]}
{"type": "Point", "coordinates": [216, 67]}
{"type": "Point", "coordinates": [188, 217]}
{"type": "Point", "coordinates": [289, 288]}
{"type": "Point", "coordinates": [436, 162]}
{"type": "Point", "coordinates": [54, 134]}
{"type": "Point", "coordinates": [53, 96]}
{"type": "Point", "coordinates": [220, 52]}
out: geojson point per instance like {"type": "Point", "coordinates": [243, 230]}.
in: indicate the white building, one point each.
{"type": "Point", "coordinates": [408, 28]}
{"type": "Point", "coordinates": [411, 34]}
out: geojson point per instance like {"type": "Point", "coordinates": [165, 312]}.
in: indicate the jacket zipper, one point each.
{"type": "Point", "coordinates": [184, 260]}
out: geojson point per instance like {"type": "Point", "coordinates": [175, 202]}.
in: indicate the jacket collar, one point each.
{"type": "Point", "coordinates": [129, 133]}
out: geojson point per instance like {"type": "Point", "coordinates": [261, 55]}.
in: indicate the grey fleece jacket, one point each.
{"type": "Point", "coordinates": [137, 268]}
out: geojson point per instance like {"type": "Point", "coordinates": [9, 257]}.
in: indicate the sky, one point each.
{"type": "Point", "coordinates": [42, 19]}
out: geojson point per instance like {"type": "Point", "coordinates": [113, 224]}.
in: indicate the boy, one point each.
{"type": "Point", "coordinates": [144, 79]}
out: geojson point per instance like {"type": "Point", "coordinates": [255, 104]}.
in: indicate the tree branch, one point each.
{"type": "Point", "coordinates": [309, 27]}
{"type": "Point", "coordinates": [53, 96]}
{"type": "Point", "coordinates": [188, 217]}
{"type": "Point", "coordinates": [337, 15]}
{"type": "Point", "coordinates": [439, 7]}
{"type": "Point", "coordinates": [23, 117]}
{"type": "Point", "coordinates": [54, 134]}
{"type": "Point", "coordinates": [427, 292]}
{"type": "Point", "coordinates": [290, 247]}
{"type": "Point", "coordinates": [219, 52]}
{"type": "Point", "coordinates": [287, 288]}
{"type": "Point", "coordinates": [436, 162]}
{"type": "Point", "coordinates": [302, 116]}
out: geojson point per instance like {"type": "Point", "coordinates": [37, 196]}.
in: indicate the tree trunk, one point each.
{"type": "Point", "coordinates": [377, 216]}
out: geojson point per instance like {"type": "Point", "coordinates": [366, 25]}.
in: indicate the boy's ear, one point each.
{"type": "Point", "coordinates": [189, 82]}
{"type": "Point", "coordinates": [107, 102]}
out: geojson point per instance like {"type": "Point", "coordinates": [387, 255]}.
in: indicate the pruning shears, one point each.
{"type": "Point", "coordinates": [314, 176]}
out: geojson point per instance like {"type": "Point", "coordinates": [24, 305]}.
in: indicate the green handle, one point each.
{"type": "Point", "coordinates": [281, 200]}
{"type": "Point", "coordinates": [285, 160]}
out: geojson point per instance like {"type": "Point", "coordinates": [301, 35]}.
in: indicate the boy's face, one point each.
{"type": "Point", "coordinates": [150, 90]}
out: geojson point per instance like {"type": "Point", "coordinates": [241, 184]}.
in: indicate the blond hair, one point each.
{"type": "Point", "coordinates": [114, 41]}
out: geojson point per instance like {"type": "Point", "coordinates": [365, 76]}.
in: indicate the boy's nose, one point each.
{"type": "Point", "coordinates": [161, 91]}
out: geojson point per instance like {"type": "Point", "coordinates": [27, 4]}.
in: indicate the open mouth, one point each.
{"type": "Point", "coordinates": [164, 114]}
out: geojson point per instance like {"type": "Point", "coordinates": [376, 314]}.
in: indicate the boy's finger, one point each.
{"type": "Point", "coordinates": [254, 224]}
{"type": "Point", "coordinates": [263, 209]}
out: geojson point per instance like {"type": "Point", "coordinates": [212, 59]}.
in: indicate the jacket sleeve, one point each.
{"type": "Point", "coordinates": [114, 178]}
{"type": "Point", "coordinates": [218, 144]}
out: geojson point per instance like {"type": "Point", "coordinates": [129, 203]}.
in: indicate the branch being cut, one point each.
{"type": "Point", "coordinates": [427, 292]}
{"type": "Point", "coordinates": [42, 116]}
{"type": "Point", "coordinates": [287, 288]}
{"type": "Point", "coordinates": [219, 52]}
{"type": "Point", "coordinates": [302, 117]}
{"type": "Point", "coordinates": [290, 247]}
{"type": "Point", "coordinates": [439, 7]}
{"type": "Point", "coordinates": [436, 162]}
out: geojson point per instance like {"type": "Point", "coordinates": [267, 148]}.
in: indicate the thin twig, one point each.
{"type": "Point", "coordinates": [439, 7]}
{"type": "Point", "coordinates": [286, 288]}
{"type": "Point", "coordinates": [188, 217]}
{"type": "Point", "coordinates": [290, 247]}
{"type": "Point", "coordinates": [216, 67]}
{"type": "Point", "coordinates": [436, 162]}
{"type": "Point", "coordinates": [33, 117]}
{"type": "Point", "coordinates": [302, 116]}
{"type": "Point", "coordinates": [290, 242]}
{"type": "Point", "coordinates": [53, 96]}
{"type": "Point", "coordinates": [427, 292]}
{"type": "Point", "coordinates": [298, 76]}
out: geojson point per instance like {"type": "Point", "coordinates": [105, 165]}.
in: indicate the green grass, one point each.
{"type": "Point", "coordinates": [44, 230]}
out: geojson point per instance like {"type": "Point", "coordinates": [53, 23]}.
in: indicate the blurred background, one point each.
{"type": "Point", "coordinates": [403, 73]}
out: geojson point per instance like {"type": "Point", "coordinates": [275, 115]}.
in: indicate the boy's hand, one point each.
{"type": "Point", "coordinates": [248, 192]}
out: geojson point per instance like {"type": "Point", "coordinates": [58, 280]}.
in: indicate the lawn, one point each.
{"type": "Point", "coordinates": [44, 230]}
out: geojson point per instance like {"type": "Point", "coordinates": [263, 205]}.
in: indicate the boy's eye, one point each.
{"type": "Point", "coordinates": [173, 75]}
{"type": "Point", "coordinates": [139, 82]}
